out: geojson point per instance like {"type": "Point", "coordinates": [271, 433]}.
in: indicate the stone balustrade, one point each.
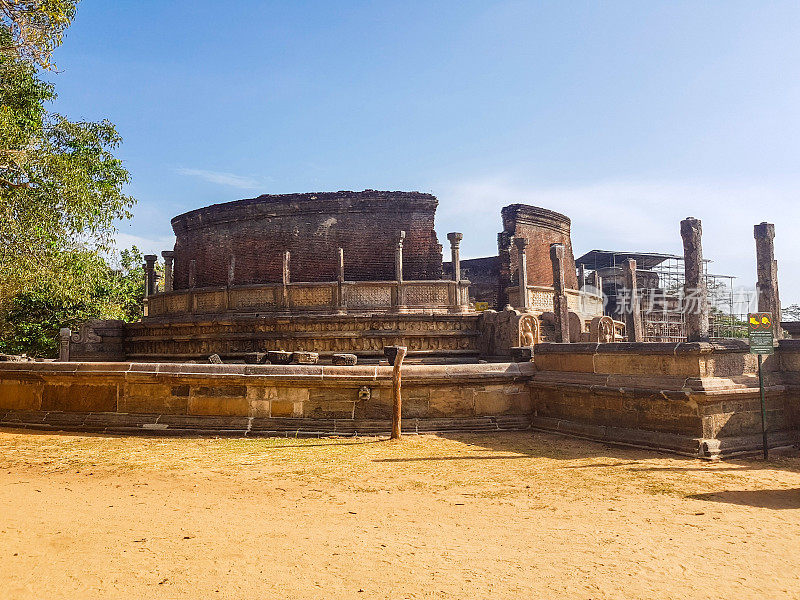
{"type": "Point", "coordinates": [414, 297]}
{"type": "Point", "coordinates": [540, 300]}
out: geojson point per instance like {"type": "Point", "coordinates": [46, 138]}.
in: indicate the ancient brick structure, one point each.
{"type": "Point", "coordinates": [542, 228]}
{"type": "Point", "coordinates": [243, 242]}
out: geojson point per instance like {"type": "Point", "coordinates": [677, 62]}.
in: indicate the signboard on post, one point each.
{"type": "Point", "coordinates": [761, 331]}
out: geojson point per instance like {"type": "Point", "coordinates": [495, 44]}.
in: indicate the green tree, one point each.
{"type": "Point", "coordinates": [61, 192]}
{"type": "Point", "coordinates": [33, 318]}
{"type": "Point", "coordinates": [35, 28]}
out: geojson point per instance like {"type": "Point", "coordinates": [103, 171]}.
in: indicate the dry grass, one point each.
{"type": "Point", "coordinates": [500, 515]}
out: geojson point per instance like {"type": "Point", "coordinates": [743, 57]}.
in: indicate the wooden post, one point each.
{"type": "Point", "coordinates": [396, 354]}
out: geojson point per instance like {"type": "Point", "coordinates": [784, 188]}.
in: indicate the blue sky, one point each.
{"type": "Point", "coordinates": [626, 116]}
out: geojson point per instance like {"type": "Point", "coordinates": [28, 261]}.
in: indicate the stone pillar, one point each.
{"type": "Point", "coordinates": [581, 277]}
{"type": "Point", "coordinates": [633, 309]}
{"type": "Point", "coordinates": [398, 257]}
{"type": "Point", "coordinates": [285, 279]}
{"type": "Point", "coordinates": [340, 265]}
{"type": "Point", "coordinates": [341, 304]}
{"type": "Point", "coordinates": [192, 273]}
{"type": "Point", "coordinates": [522, 269]}
{"type": "Point", "coordinates": [695, 299]}
{"type": "Point", "coordinates": [767, 267]}
{"type": "Point", "coordinates": [169, 257]}
{"type": "Point", "coordinates": [455, 241]}
{"type": "Point", "coordinates": [64, 336]}
{"type": "Point", "coordinates": [504, 254]}
{"type": "Point", "coordinates": [231, 270]}
{"type": "Point", "coordinates": [560, 305]}
{"type": "Point", "coordinates": [400, 298]}
{"type": "Point", "coordinates": [150, 274]}
{"type": "Point", "coordinates": [287, 257]}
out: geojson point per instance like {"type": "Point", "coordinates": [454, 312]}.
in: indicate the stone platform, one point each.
{"type": "Point", "coordinates": [697, 399]}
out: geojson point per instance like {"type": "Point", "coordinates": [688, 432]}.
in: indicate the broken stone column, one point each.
{"type": "Point", "coordinates": [504, 253]}
{"type": "Point", "coordinates": [340, 265]}
{"type": "Point", "coordinates": [522, 269]}
{"type": "Point", "coordinates": [287, 257]}
{"type": "Point", "coordinates": [455, 241]}
{"type": "Point", "coordinates": [581, 277]}
{"type": "Point", "coordinates": [767, 268]}
{"type": "Point", "coordinates": [560, 306]}
{"type": "Point", "coordinates": [398, 257]}
{"type": "Point", "coordinates": [231, 270]}
{"type": "Point", "coordinates": [341, 304]}
{"type": "Point", "coordinates": [633, 310]}
{"type": "Point", "coordinates": [695, 294]}
{"type": "Point", "coordinates": [150, 274]}
{"type": "Point", "coordinates": [192, 274]}
{"type": "Point", "coordinates": [398, 270]}
{"type": "Point", "coordinates": [169, 257]}
{"type": "Point", "coordinates": [285, 278]}
{"type": "Point", "coordinates": [64, 336]}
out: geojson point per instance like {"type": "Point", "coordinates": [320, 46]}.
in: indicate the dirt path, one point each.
{"type": "Point", "coordinates": [523, 515]}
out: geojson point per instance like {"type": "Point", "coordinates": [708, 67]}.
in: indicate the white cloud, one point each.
{"type": "Point", "coordinates": [221, 178]}
{"type": "Point", "coordinates": [642, 216]}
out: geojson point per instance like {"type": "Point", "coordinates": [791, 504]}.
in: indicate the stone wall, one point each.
{"type": "Point", "coordinates": [311, 226]}
{"type": "Point", "coordinates": [232, 336]}
{"type": "Point", "coordinates": [541, 227]}
{"type": "Point", "coordinates": [690, 397]}
{"type": "Point", "coordinates": [483, 275]}
{"type": "Point", "coordinates": [698, 399]}
{"type": "Point", "coordinates": [261, 399]}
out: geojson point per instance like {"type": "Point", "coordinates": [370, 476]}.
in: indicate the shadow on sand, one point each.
{"type": "Point", "coordinates": [774, 499]}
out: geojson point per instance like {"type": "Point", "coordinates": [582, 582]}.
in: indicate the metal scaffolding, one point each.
{"type": "Point", "coordinates": [660, 281]}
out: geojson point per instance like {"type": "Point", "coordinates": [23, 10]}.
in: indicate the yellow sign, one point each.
{"type": "Point", "coordinates": [481, 306]}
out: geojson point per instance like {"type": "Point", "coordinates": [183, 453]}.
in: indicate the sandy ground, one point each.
{"type": "Point", "coordinates": [517, 515]}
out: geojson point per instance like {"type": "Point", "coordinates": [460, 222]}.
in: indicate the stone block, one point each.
{"type": "Point", "coordinates": [522, 353]}
{"type": "Point", "coordinates": [228, 406]}
{"type": "Point", "coordinates": [279, 357]}
{"type": "Point", "coordinates": [502, 400]}
{"type": "Point", "coordinates": [305, 358]}
{"type": "Point", "coordinates": [416, 400]}
{"type": "Point", "coordinates": [20, 394]}
{"type": "Point", "coordinates": [450, 401]}
{"type": "Point", "coordinates": [154, 398]}
{"type": "Point", "coordinates": [255, 358]}
{"type": "Point", "coordinates": [344, 360]}
{"type": "Point", "coordinates": [74, 397]}
{"type": "Point", "coordinates": [287, 401]}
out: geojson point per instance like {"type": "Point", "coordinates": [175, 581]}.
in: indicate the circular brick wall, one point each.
{"type": "Point", "coordinates": [541, 227]}
{"type": "Point", "coordinates": [311, 226]}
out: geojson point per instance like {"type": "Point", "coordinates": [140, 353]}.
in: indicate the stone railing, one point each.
{"type": "Point", "coordinates": [316, 298]}
{"type": "Point", "coordinates": [540, 300]}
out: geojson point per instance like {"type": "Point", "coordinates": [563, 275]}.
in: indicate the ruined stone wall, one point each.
{"type": "Point", "coordinates": [311, 226]}
{"type": "Point", "coordinates": [483, 275]}
{"type": "Point", "coordinates": [261, 399]}
{"type": "Point", "coordinates": [232, 336]}
{"type": "Point", "coordinates": [541, 227]}
{"type": "Point", "coordinates": [694, 398]}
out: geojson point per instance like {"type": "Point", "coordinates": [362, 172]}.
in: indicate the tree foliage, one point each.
{"type": "Point", "coordinates": [33, 318]}
{"type": "Point", "coordinates": [61, 192]}
{"type": "Point", "coordinates": [35, 28]}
